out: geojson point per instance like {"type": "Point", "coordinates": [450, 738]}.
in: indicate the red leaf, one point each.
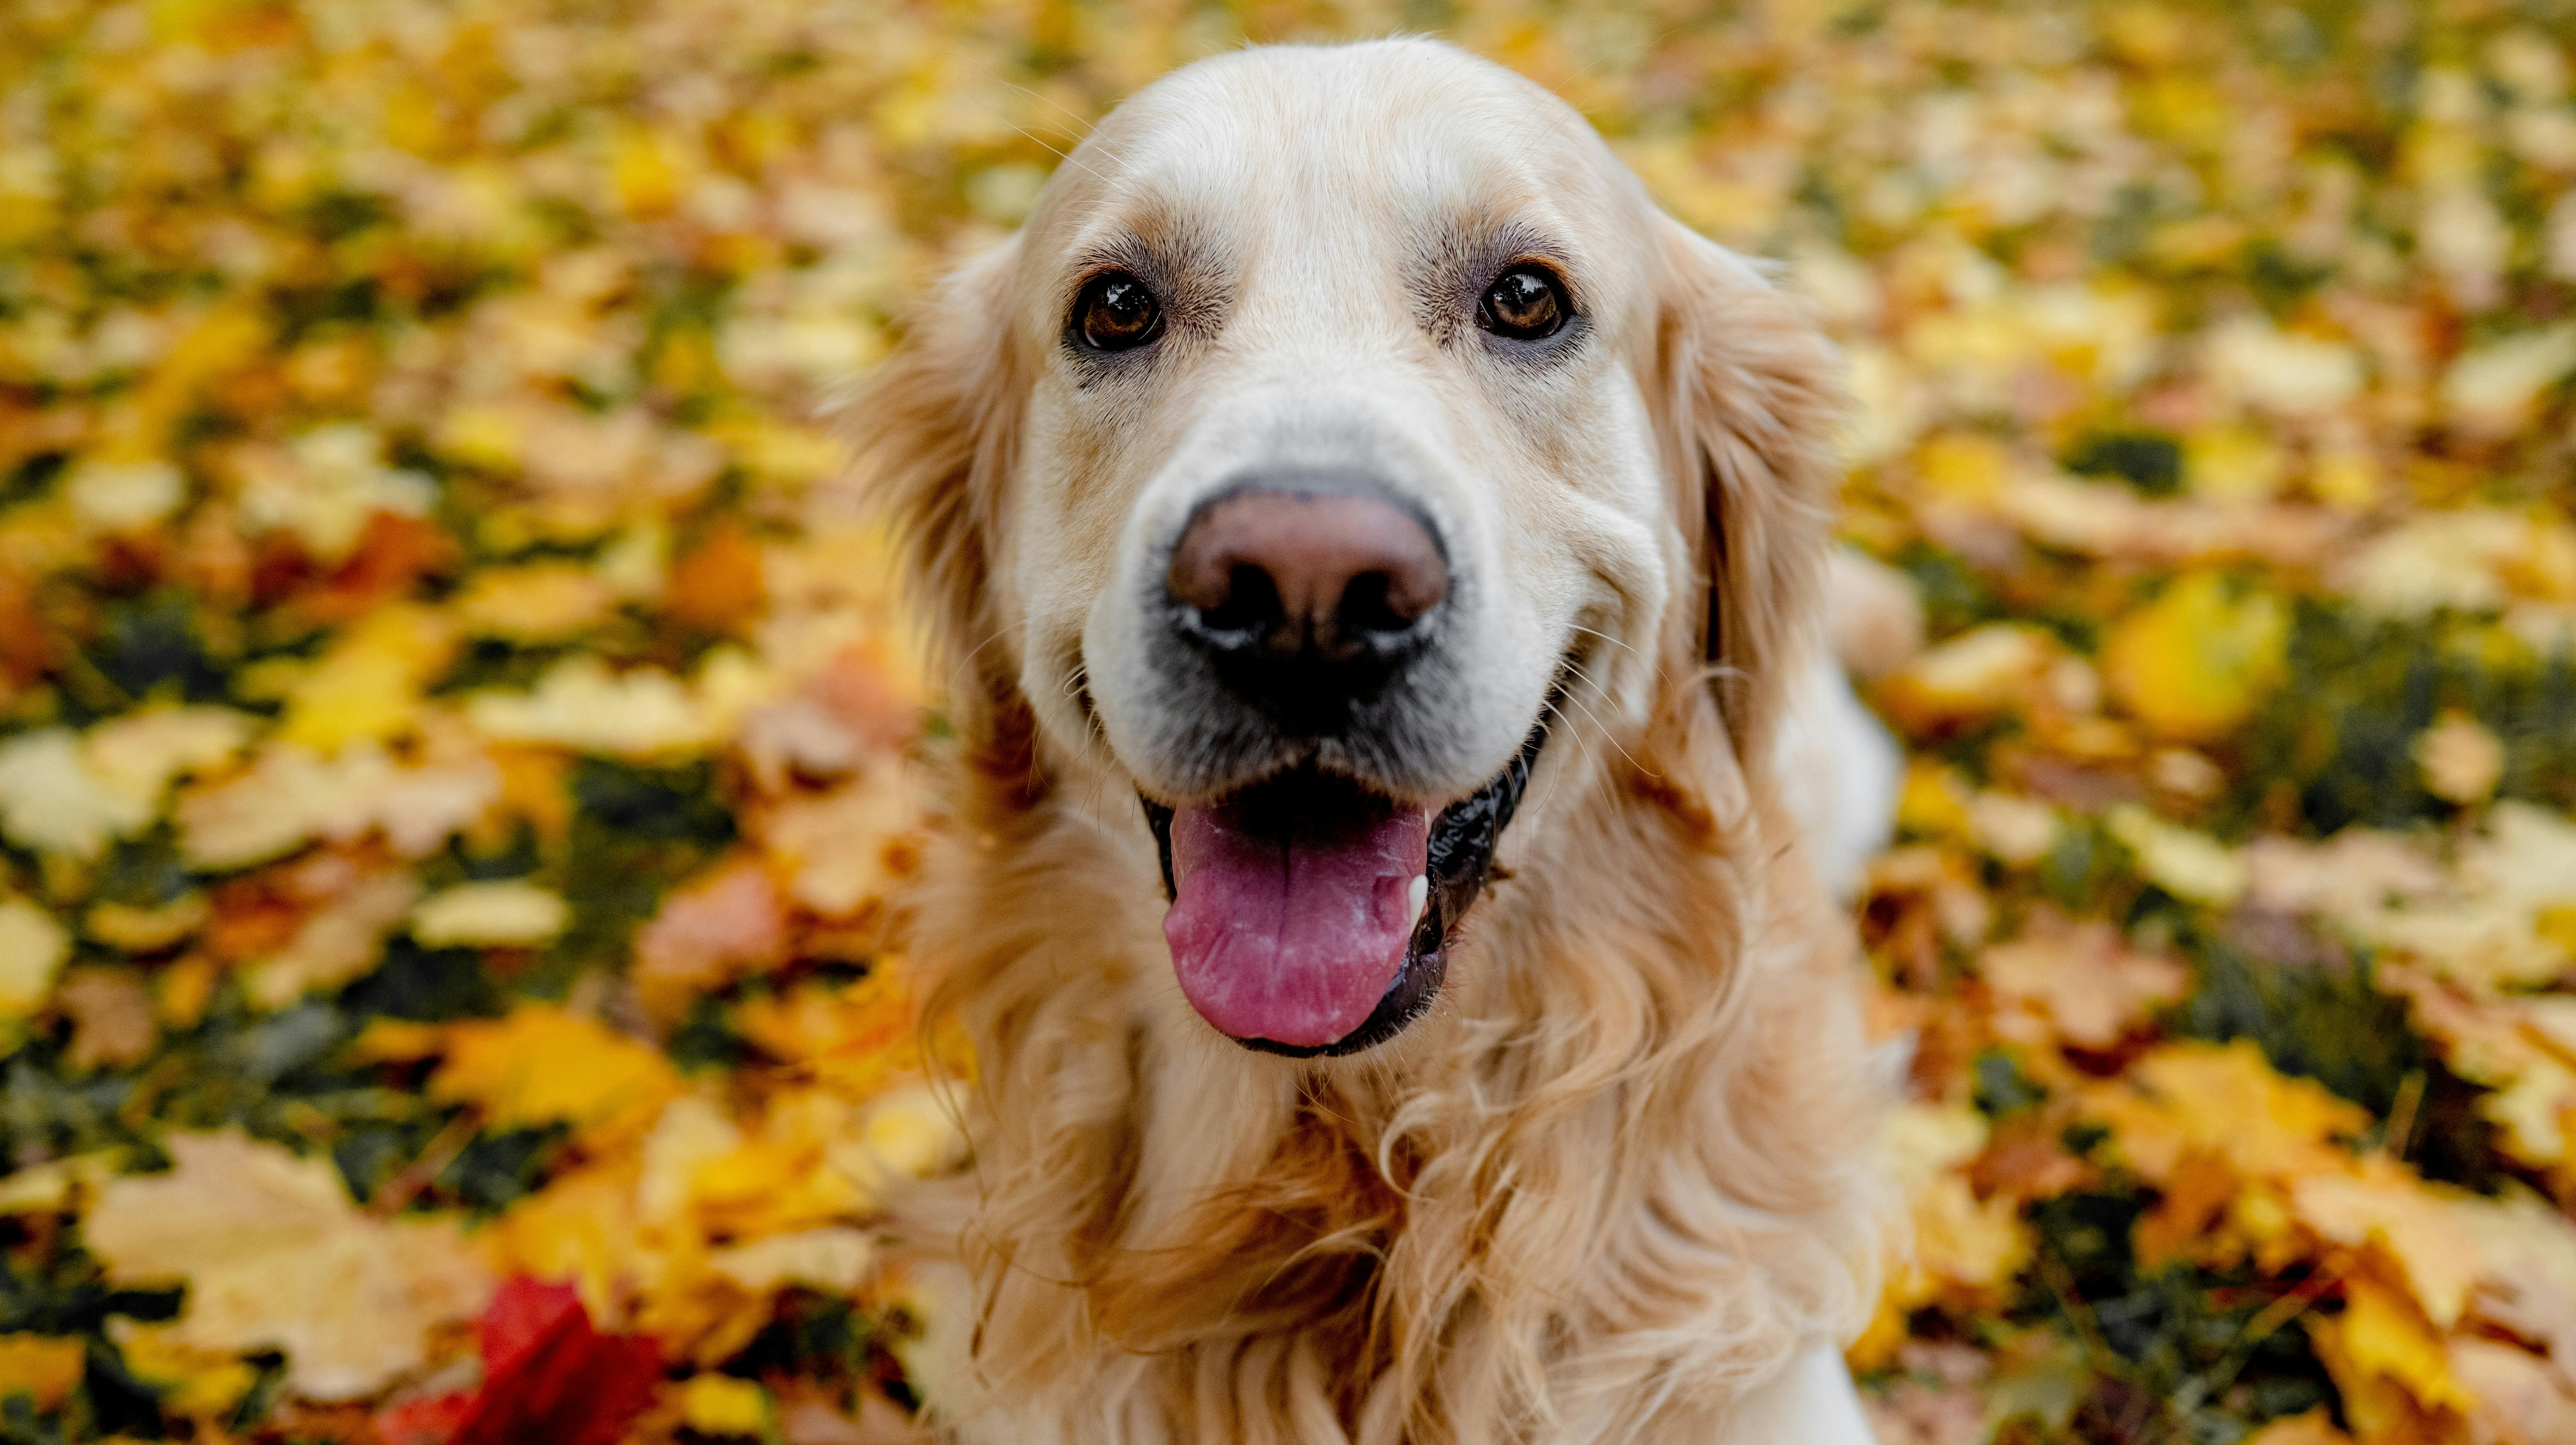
{"type": "Point", "coordinates": [548, 1379]}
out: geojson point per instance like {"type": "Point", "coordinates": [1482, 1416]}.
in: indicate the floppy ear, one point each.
{"type": "Point", "coordinates": [934, 429]}
{"type": "Point", "coordinates": [1748, 394]}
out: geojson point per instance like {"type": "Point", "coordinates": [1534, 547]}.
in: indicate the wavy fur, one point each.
{"type": "Point", "coordinates": [1611, 1186]}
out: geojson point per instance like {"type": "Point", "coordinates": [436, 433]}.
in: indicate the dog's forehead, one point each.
{"type": "Point", "coordinates": [1412, 135]}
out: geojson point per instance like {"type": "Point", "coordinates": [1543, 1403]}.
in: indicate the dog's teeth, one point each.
{"type": "Point", "coordinates": [1419, 894]}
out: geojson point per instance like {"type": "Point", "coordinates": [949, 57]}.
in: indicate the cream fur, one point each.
{"type": "Point", "coordinates": [1613, 1189]}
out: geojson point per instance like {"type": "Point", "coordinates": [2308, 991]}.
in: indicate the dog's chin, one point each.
{"type": "Point", "coordinates": [1313, 916]}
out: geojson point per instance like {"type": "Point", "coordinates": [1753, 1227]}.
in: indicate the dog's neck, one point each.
{"type": "Point", "coordinates": [1608, 1178]}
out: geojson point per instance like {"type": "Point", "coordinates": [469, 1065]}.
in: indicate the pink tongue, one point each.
{"type": "Point", "coordinates": [1291, 934]}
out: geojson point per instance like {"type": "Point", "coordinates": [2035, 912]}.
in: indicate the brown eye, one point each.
{"type": "Point", "coordinates": [1116, 313]}
{"type": "Point", "coordinates": [1524, 303]}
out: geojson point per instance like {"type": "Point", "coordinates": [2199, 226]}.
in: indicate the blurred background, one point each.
{"type": "Point", "coordinates": [457, 742]}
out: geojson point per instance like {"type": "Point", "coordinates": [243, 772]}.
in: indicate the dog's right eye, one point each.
{"type": "Point", "coordinates": [1116, 313]}
{"type": "Point", "coordinates": [1525, 303]}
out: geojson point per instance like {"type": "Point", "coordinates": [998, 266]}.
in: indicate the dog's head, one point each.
{"type": "Point", "coordinates": [1343, 420]}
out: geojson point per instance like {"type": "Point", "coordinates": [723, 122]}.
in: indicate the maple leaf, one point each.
{"type": "Point", "coordinates": [2082, 980]}
{"type": "Point", "coordinates": [549, 1378]}
{"type": "Point", "coordinates": [275, 1255]}
{"type": "Point", "coordinates": [2227, 1100]}
{"type": "Point", "coordinates": [727, 922]}
{"type": "Point", "coordinates": [2194, 663]}
{"type": "Point", "coordinates": [542, 1065]}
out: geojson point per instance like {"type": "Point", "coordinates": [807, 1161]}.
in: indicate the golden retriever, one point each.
{"type": "Point", "coordinates": [1372, 550]}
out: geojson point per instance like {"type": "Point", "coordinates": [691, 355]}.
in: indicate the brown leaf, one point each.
{"type": "Point", "coordinates": [716, 586]}
{"type": "Point", "coordinates": [111, 1016]}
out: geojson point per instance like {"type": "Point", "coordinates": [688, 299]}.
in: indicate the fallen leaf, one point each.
{"type": "Point", "coordinates": [722, 1405]}
{"type": "Point", "coordinates": [541, 1065]}
{"type": "Point", "coordinates": [32, 949]}
{"type": "Point", "coordinates": [548, 1376]}
{"type": "Point", "coordinates": [2381, 1335]}
{"type": "Point", "coordinates": [111, 1016]}
{"type": "Point", "coordinates": [2196, 661]}
{"type": "Point", "coordinates": [2461, 759]}
{"type": "Point", "coordinates": [198, 1384]}
{"type": "Point", "coordinates": [276, 1256]}
{"type": "Point", "coordinates": [2082, 980]}
{"type": "Point", "coordinates": [501, 914]}
{"type": "Point", "coordinates": [42, 1369]}
{"type": "Point", "coordinates": [708, 933]}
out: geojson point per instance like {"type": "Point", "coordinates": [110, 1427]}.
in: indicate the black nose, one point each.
{"type": "Point", "coordinates": [1306, 603]}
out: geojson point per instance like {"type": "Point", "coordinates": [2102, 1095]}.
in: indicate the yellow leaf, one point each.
{"type": "Point", "coordinates": [579, 704]}
{"type": "Point", "coordinates": [367, 687]}
{"type": "Point", "coordinates": [581, 1226]}
{"type": "Point", "coordinates": [199, 1384]}
{"type": "Point", "coordinates": [2011, 829]}
{"type": "Point", "coordinates": [1964, 468]}
{"type": "Point", "coordinates": [541, 1065]}
{"type": "Point", "coordinates": [2280, 372]}
{"type": "Point", "coordinates": [852, 845]}
{"type": "Point", "coordinates": [32, 949]}
{"type": "Point", "coordinates": [1981, 673]}
{"type": "Point", "coordinates": [2231, 464]}
{"type": "Point", "coordinates": [646, 172]}
{"type": "Point", "coordinates": [123, 496]}
{"type": "Point", "coordinates": [1934, 800]}
{"type": "Point", "coordinates": [2433, 1234]}
{"type": "Point", "coordinates": [507, 913]}
{"type": "Point", "coordinates": [2460, 758]}
{"type": "Point", "coordinates": [2225, 1099]}
{"type": "Point", "coordinates": [43, 1369]}
{"type": "Point", "coordinates": [146, 930]}
{"type": "Point", "coordinates": [2380, 1334]}
{"type": "Point", "coordinates": [51, 1187]}
{"type": "Point", "coordinates": [222, 339]}
{"type": "Point", "coordinates": [2185, 863]}
{"type": "Point", "coordinates": [836, 1260]}
{"type": "Point", "coordinates": [53, 801]}
{"type": "Point", "coordinates": [855, 1038]}
{"type": "Point", "coordinates": [1960, 1238]}
{"type": "Point", "coordinates": [2492, 388]}
{"type": "Point", "coordinates": [542, 602]}
{"type": "Point", "coordinates": [723, 1405]}
{"type": "Point", "coordinates": [276, 1256]}
{"type": "Point", "coordinates": [2196, 661]}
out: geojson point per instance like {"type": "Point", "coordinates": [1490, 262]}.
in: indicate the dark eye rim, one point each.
{"type": "Point", "coordinates": [1077, 324]}
{"type": "Point", "coordinates": [1548, 276]}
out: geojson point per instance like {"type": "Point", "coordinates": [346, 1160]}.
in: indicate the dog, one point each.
{"type": "Point", "coordinates": [1374, 557]}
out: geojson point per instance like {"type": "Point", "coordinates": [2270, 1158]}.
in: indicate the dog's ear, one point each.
{"type": "Point", "coordinates": [1748, 394]}
{"type": "Point", "coordinates": [934, 428]}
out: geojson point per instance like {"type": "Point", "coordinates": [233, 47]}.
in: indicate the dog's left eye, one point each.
{"type": "Point", "coordinates": [1524, 303]}
{"type": "Point", "coordinates": [1116, 313]}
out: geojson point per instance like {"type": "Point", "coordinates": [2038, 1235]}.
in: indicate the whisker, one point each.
{"type": "Point", "coordinates": [1578, 671]}
{"type": "Point", "coordinates": [1042, 98]}
{"type": "Point", "coordinates": [1606, 637]}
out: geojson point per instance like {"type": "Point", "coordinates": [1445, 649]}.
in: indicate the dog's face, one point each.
{"type": "Point", "coordinates": [1342, 421]}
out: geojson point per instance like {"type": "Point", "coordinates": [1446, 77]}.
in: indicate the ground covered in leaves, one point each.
{"type": "Point", "coordinates": [454, 730]}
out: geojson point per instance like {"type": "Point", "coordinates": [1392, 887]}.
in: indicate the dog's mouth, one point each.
{"type": "Point", "coordinates": [1313, 916]}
